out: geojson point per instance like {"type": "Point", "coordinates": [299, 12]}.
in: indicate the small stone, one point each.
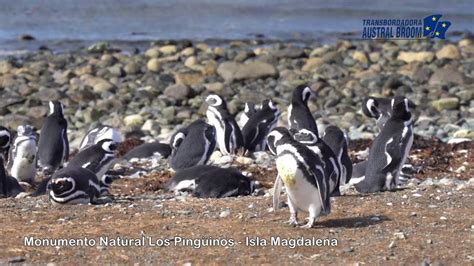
{"type": "Point", "coordinates": [131, 68]}
{"type": "Point", "coordinates": [178, 91]}
{"type": "Point", "coordinates": [225, 213]}
{"type": "Point", "coordinates": [446, 104]}
{"type": "Point", "coordinates": [312, 63]}
{"type": "Point", "coordinates": [375, 219]}
{"type": "Point", "coordinates": [244, 160]}
{"type": "Point", "coordinates": [191, 62]}
{"type": "Point", "coordinates": [413, 214]}
{"type": "Point", "coordinates": [189, 78]}
{"type": "Point", "coordinates": [348, 250]}
{"type": "Point", "coordinates": [443, 76]}
{"type": "Point", "coordinates": [360, 57]}
{"type": "Point", "coordinates": [153, 65]}
{"type": "Point", "coordinates": [133, 120]}
{"type": "Point", "coordinates": [214, 87]}
{"type": "Point", "coordinates": [400, 235]}
{"type": "Point", "coordinates": [188, 51]}
{"type": "Point", "coordinates": [449, 51]}
{"type": "Point", "coordinates": [252, 70]}
{"type": "Point", "coordinates": [168, 49]}
{"type": "Point", "coordinates": [392, 245]}
{"type": "Point", "coordinates": [429, 241]}
{"type": "Point", "coordinates": [374, 57]}
{"type": "Point", "coordinates": [443, 218]}
{"type": "Point", "coordinates": [153, 52]}
{"type": "Point", "coordinates": [409, 57]}
{"type": "Point", "coordinates": [151, 125]}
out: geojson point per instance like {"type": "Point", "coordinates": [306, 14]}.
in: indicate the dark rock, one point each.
{"type": "Point", "coordinates": [178, 92]}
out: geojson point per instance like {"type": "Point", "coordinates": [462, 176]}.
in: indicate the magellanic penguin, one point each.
{"type": "Point", "coordinates": [53, 145]}
{"type": "Point", "coordinates": [228, 135]}
{"type": "Point", "coordinates": [74, 185]}
{"type": "Point", "coordinates": [5, 139]}
{"type": "Point", "coordinates": [388, 151]}
{"type": "Point", "coordinates": [259, 125]}
{"type": "Point", "coordinates": [326, 155]}
{"type": "Point", "coordinates": [299, 115]}
{"type": "Point", "coordinates": [22, 161]}
{"type": "Point", "coordinates": [192, 146]}
{"type": "Point", "coordinates": [335, 139]}
{"type": "Point", "coordinates": [303, 175]}
{"type": "Point", "coordinates": [9, 186]}
{"type": "Point", "coordinates": [380, 109]}
{"type": "Point", "coordinates": [249, 110]}
{"type": "Point", "coordinates": [97, 158]}
{"type": "Point", "coordinates": [147, 150]}
{"type": "Point", "coordinates": [97, 134]}
{"type": "Point", "coordinates": [207, 181]}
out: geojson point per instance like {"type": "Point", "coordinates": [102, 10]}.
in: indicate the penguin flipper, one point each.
{"type": "Point", "coordinates": [276, 193]}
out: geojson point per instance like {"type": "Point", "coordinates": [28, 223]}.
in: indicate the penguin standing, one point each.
{"type": "Point", "coordinates": [326, 155]}
{"type": "Point", "coordinates": [193, 145]}
{"type": "Point", "coordinates": [299, 115]}
{"type": "Point", "coordinates": [228, 135]}
{"type": "Point", "coordinates": [74, 185]}
{"type": "Point", "coordinates": [5, 139]}
{"type": "Point", "coordinates": [97, 134]}
{"type": "Point", "coordinates": [259, 125]}
{"type": "Point", "coordinates": [53, 145]}
{"type": "Point", "coordinates": [388, 151]}
{"type": "Point", "coordinates": [9, 186]}
{"type": "Point", "coordinates": [22, 161]}
{"type": "Point", "coordinates": [97, 158]}
{"type": "Point", "coordinates": [335, 139]}
{"type": "Point", "coordinates": [208, 181]}
{"type": "Point", "coordinates": [249, 110]}
{"type": "Point", "coordinates": [303, 176]}
{"type": "Point", "coordinates": [380, 109]}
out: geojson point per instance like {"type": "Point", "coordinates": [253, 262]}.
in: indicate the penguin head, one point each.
{"type": "Point", "coordinates": [62, 184]}
{"type": "Point", "coordinates": [371, 107]}
{"type": "Point", "coordinates": [25, 130]}
{"type": "Point", "coordinates": [400, 108]}
{"type": "Point", "coordinates": [108, 145]}
{"type": "Point", "coordinates": [249, 108]}
{"type": "Point", "coordinates": [275, 136]}
{"type": "Point", "coordinates": [302, 93]}
{"type": "Point", "coordinates": [306, 137]}
{"type": "Point", "coordinates": [269, 105]}
{"type": "Point", "coordinates": [215, 100]}
{"type": "Point", "coordinates": [56, 108]}
{"type": "Point", "coordinates": [4, 137]}
{"type": "Point", "coordinates": [177, 139]}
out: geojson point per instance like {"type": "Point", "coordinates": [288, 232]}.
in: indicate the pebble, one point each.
{"type": "Point", "coordinates": [230, 71]}
{"type": "Point", "coordinates": [153, 65]}
{"type": "Point", "coordinates": [449, 51]}
{"type": "Point", "coordinates": [400, 235]}
{"type": "Point", "coordinates": [225, 213]}
{"type": "Point", "coordinates": [409, 57]}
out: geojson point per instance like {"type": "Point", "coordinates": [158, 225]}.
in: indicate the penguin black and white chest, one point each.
{"type": "Point", "coordinates": [335, 139]}
{"type": "Point", "coordinates": [303, 176]}
{"type": "Point", "coordinates": [259, 125]}
{"type": "Point", "coordinates": [53, 145]}
{"type": "Point", "coordinates": [97, 158]}
{"type": "Point", "coordinates": [249, 110]}
{"type": "Point", "coordinates": [22, 161]}
{"type": "Point", "coordinates": [9, 186]}
{"type": "Point", "coordinates": [5, 139]}
{"type": "Point", "coordinates": [74, 185]}
{"type": "Point", "coordinates": [299, 115]}
{"type": "Point", "coordinates": [325, 154]}
{"type": "Point", "coordinates": [97, 134]}
{"type": "Point", "coordinates": [228, 135]}
{"type": "Point", "coordinates": [192, 146]}
{"type": "Point", "coordinates": [389, 151]}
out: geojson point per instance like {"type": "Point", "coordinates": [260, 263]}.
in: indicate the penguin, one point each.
{"type": "Point", "coordinates": [53, 145]}
{"type": "Point", "coordinates": [192, 146]}
{"type": "Point", "coordinates": [326, 155]}
{"type": "Point", "coordinates": [249, 110]}
{"type": "Point", "coordinates": [207, 181]}
{"type": "Point", "coordinates": [9, 186]}
{"type": "Point", "coordinates": [228, 135]}
{"type": "Point", "coordinates": [303, 175]}
{"type": "Point", "coordinates": [147, 150]}
{"type": "Point", "coordinates": [380, 109]}
{"type": "Point", "coordinates": [5, 139]}
{"type": "Point", "coordinates": [389, 151]}
{"type": "Point", "coordinates": [97, 158]}
{"type": "Point", "coordinates": [259, 125]}
{"type": "Point", "coordinates": [22, 161]}
{"type": "Point", "coordinates": [406, 172]}
{"type": "Point", "coordinates": [97, 134]}
{"type": "Point", "coordinates": [299, 115]}
{"type": "Point", "coordinates": [336, 140]}
{"type": "Point", "coordinates": [74, 185]}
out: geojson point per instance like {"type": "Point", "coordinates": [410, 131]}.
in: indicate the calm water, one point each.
{"type": "Point", "coordinates": [70, 21]}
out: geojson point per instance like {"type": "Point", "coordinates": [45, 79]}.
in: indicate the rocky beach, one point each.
{"type": "Point", "coordinates": [152, 91]}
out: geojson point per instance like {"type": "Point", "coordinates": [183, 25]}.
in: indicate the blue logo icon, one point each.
{"type": "Point", "coordinates": [433, 28]}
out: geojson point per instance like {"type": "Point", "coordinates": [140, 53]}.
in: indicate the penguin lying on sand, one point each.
{"type": "Point", "coordinates": [147, 150]}
{"type": "Point", "coordinates": [74, 185]}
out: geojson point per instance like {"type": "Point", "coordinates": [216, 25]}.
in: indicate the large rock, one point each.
{"type": "Point", "coordinates": [252, 70]}
{"type": "Point", "coordinates": [312, 63]}
{"type": "Point", "coordinates": [409, 57]}
{"type": "Point", "coordinates": [360, 57]}
{"type": "Point", "coordinates": [178, 91]}
{"type": "Point", "coordinates": [153, 65]}
{"type": "Point", "coordinates": [168, 49]}
{"type": "Point", "coordinates": [449, 51]}
{"type": "Point", "coordinates": [446, 103]}
{"type": "Point", "coordinates": [447, 75]}
{"type": "Point", "coordinates": [47, 95]}
{"type": "Point", "coordinates": [189, 78]}
{"type": "Point", "coordinates": [98, 84]}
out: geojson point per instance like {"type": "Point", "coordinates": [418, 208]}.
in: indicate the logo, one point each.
{"type": "Point", "coordinates": [405, 29]}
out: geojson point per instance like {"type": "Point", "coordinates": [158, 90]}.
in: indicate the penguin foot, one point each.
{"type": "Point", "coordinates": [292, 221]}
{"type": "Point", "coordinates": [310, 223]}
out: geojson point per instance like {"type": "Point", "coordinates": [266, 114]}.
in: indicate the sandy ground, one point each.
{"type": "Point", "coordinates": [432, 224]}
